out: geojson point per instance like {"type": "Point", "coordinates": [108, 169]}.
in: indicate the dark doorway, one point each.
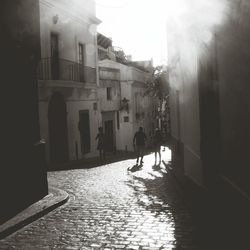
{"type": "Point", "coordinates": [58, 132]}
{"type": "Point", "coordinates": [84, 129]}
{"type": "Point", "coordinates": [54, 56]}
{"type": "Point", "coordinates": [109, 131]}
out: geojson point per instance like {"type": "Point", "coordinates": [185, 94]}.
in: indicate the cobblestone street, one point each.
{"type": "Point", "coordinates": [112, 208]}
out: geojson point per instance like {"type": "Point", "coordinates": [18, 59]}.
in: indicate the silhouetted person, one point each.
{"type": "Point", "coordinates": [101, 143]}
{"type": "Point", "coordinates": [157, 141]}
{"type": "Point", "coordinates": [139, 144]}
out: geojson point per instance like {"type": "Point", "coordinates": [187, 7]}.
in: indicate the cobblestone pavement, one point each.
{"type": "Point", "coordinates": [112, 208]}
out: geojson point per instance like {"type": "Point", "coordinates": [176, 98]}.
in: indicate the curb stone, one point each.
{"type": "Point", "coordinates": [54, 199]}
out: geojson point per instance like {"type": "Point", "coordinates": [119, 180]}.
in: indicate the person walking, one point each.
{"type": "Point", "coordinates": [101, 143]}
{"type": "Point", "coordinates": [139, 141]}
{"type": "Point", "coordinates": [157, 141]}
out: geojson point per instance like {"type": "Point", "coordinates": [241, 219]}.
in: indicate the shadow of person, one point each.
{"type": "Point", "coordinates": [167, 165]}
{"type": "Point", "coordinates": [135, 168]}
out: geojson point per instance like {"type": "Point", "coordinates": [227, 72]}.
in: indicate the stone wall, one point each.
{"type": "Point", "coordinates": [23, 174]}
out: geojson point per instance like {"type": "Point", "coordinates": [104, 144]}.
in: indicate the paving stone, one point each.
{"type": "Point", "coordinates": [111, 208]}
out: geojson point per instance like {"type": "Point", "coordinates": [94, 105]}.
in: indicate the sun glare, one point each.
{"type": "Point", "coordinates": [139, 27]}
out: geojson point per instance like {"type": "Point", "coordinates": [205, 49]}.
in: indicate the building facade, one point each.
{"type": "Point", "coordinates": [121, 94]}
{"type": "Point", "coordinates": [68, 103]}
{"type": "Point", "coordinates": [141, 108]}
{"type": "Point", "coordinates": [209, 96]}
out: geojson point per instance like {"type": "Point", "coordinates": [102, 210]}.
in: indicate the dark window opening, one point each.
{"type": "Point", "coordinates": [81, 56]}
{"type": "Point", "coordinates": [81, 62]}
{"type": "Point", "coordinates": [118, 119]}
{"type": "Point", "coordinates": [126, 119]}
{"type": "Point", "coordinates": [54, 50]}
{"type": "Point", "coordinates": [109, 96]}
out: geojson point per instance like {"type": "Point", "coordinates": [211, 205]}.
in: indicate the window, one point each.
{"type": "Point", "coordinates": [118, 119]}
{"type": "Point", "coordinates": [126, 119]}
{"type": "Point", "coordinates": [137, 102]}
{"type": "Point", "coordinates": [95, 106]}
{"type": "Point", "coordinates": [81, 62]}
{"type": "Point", "coordinates": [54, 47]}
{"type": "Point", "coordinates": [109, 96]}
{"type": "Point", "coordinates": [81, 55]}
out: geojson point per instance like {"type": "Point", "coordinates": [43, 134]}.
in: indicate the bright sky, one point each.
{"type": "Point", "coordinates": [137, 26]}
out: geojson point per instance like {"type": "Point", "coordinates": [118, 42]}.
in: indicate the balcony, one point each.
{"type": "Point", "coordinates": [65, 70]}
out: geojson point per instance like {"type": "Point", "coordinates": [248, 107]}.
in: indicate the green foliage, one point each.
{"type": "Point", "coordinates": [158, 85]}
{"type": "Point", "coordinates": [120, 56]}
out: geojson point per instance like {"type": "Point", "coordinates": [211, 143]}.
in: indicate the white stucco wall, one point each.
{"type": "Point", "coordinates": [126, 128]}
{"type": "Point", "coordinates": [184, 104]}
{"type": "Point", "coordinates": [73, 109]}
{"type": "Point", "coordinates": [76, 23]}
{"type": "Point", "coordinates": [131, 82]}
{"type": "Point", "coordinates": [76, 101]}
{"type": "Point", "coordinates": [72, 28]}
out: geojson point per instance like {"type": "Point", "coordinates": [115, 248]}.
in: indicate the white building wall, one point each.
{"type": "Point", "coordinates": [131, 80]}
{"type": "Point", "coordinates": [146, 105]}
{"type": "Point", "coordinates": [73, 109]}
{"type": "Point", "coordinates": [185, 125]}
{"type": "Point", "coordinates": [75, 22]}
{"type": "Point", "coordinates": [126, 136]}
{"type": "Point", "coordinates": [126, 128]}
{"type": "Point", "coordinates": [184, 104]}
{"type": "Point", "coordinates": [114, 103]}
{"type": "Point", "coordinates": [71, 30]}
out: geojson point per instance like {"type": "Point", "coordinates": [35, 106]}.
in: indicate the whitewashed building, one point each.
{"type": "Point", "coordinates": [68, 103]}
{"type": "Point", "coordinates": [124, 107]}
{"type": "Point", "coordinates": [209, 96]}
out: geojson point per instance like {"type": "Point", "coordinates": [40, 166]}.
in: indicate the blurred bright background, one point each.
{"type": "Point", "coordinates": [137, 26]}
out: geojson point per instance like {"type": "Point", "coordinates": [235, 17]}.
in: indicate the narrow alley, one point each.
{"type": "Point", "coordinates": [88, 86]}
{"type": "Point", "coordinates": [111, 207]}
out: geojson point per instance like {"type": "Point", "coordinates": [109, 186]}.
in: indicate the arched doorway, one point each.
{"type": "Point", "coordinates": [58, 133]}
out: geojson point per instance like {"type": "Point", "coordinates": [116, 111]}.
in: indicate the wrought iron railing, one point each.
{"type": "Point", "coordinates": [66, 70]}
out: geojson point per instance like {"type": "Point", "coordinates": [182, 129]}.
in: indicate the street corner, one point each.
{"type": "Point", "coordinates": [54, 199]}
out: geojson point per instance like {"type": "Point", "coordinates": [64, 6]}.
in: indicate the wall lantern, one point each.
{"type": "Point", "coordinates": [124, 104]}
{"type": "Point", "coordinates": [55, 19]}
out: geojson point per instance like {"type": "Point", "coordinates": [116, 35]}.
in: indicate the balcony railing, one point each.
{"type": "Point", "coordinates": [65, 70]}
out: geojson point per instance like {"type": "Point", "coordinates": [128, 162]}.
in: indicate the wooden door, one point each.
{"type": "Point", "coordinates": [84, 129]}
{"type": "Point", "coordinates": [58, 132]}
{"type": "Point", "coordinates": [109, 132]}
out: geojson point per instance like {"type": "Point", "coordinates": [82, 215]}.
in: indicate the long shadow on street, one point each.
{"type": "Point", "coordinates": [158, 193]}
